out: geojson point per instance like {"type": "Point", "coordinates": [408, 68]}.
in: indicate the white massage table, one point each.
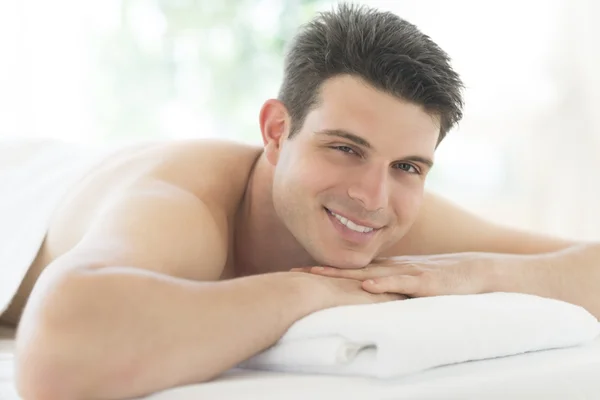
{"type": "Point", "coordinates": [572, 374]}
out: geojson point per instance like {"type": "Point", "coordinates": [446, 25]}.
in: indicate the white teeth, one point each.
{"type": "Point", "coordinates": [351, 225]}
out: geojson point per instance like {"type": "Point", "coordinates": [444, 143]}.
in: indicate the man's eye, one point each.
{"type": "Point", "coordinates": [345, 149]}
{"type": "Point", "coordinates": [407, 167]}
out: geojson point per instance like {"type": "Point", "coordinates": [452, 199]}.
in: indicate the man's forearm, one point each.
{"type": "Point", "coordinates": [571, 275]}
{"type": "Point", "coordinates": [121, 332]}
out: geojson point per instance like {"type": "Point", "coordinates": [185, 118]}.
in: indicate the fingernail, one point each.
{"type": "Point", "coordinates": [371, 282]}
{"type": "Point", "coordinates": [318, 268]}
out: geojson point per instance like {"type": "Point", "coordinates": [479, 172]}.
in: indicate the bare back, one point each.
{"type": "Point", "coordinates": [217, 171]}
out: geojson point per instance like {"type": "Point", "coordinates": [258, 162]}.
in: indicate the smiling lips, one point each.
{"type": "Point", "coordinates": [351, 225]}
{"type": "Point", "coordinates": [351, 230]}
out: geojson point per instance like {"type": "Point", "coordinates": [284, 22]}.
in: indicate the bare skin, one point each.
{"type": "Point", "coordinates": [72, 219]}
{"type": "Point", "coordinates": [188, 232]}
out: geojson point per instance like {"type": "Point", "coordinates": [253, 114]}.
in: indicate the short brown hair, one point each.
{"type": "Point", "coordinates": [383, 49]}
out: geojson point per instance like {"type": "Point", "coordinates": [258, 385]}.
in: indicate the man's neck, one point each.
{"type": "Point", "coordinates": [262, 242]}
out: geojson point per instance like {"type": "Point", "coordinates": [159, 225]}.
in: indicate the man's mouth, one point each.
{"type": "Point", "coordinates": [354, 226]}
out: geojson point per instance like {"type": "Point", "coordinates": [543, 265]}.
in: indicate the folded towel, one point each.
{"type": "Point", "coordinates": [406, 336]}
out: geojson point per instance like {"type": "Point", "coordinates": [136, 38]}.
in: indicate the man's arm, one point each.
{"type": "Point", "coordinates": [443, 227]}
{"type": "Point", "coordinates": [123, 332]}
{"type": "Point", "coordinates": [571, 274]}
{"type": "Point", "coordinates": [116, 318]}
{"type": "Point", "coordinates": [519, 261]}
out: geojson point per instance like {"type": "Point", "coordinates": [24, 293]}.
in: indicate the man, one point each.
{"type": "Point", "coordinates": [173, 263]}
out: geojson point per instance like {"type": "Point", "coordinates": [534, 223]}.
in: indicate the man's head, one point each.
{"type": "Point", "coordinates": [366, 98]}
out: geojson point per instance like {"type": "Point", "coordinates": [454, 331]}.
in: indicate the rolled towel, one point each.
{"type": "Point", "coordinates": [401, 337]}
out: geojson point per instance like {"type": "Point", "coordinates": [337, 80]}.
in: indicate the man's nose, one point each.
{"type": "Point", "coordinates": [371, 187]}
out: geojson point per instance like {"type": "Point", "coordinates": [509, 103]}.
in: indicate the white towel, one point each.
{"type": "Point", "coordinates": [406, 336]}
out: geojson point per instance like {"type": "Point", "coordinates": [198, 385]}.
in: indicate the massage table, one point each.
{"type": "Point", "coordinates": [570, 373]}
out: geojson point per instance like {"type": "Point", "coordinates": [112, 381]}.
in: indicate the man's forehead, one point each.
{"type": "Point", "coordinates": [348, 97]}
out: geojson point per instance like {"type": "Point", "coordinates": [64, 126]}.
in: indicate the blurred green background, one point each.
{"type": "Point", "coordinates": [191, 65]}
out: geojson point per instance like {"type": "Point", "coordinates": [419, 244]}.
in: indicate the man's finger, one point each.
{"type": "Point", "coordinates": [404, 284]}
{"type": "Point", "coordinates": [359, 273]}
{"type": "Point", "coordinates": [369, 272]}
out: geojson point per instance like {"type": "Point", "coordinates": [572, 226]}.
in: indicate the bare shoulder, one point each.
{"type": "Point", "coordinates": [214, 170]}
{"type": "Point", "coordinates": [165, 207]}
{"type": "Point", "coordinates": [443, 226]}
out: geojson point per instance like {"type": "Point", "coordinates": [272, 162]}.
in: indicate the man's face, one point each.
{"type": "Point", "coordinates": [350, 183]}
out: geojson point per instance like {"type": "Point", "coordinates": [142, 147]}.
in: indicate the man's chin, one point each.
{"type": "Point", "coordinates": [347, 261]}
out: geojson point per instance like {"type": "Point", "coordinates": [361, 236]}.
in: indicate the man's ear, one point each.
{"type": "Point", "coordinates": [274, 126]}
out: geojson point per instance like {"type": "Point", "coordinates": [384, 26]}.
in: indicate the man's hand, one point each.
{"type": "Point", "coordinates": [418, 276]}
{"type": "Point", "coordinates": [340, 291]}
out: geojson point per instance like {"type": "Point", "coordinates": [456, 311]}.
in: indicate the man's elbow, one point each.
{"type": "Point", "coordinates": [50, 362]}
{"type": "Point", "coordinates": [40, 373]}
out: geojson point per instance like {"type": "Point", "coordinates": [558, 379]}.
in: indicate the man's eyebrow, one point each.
{"type": "Point", "coordinates": [346, 135]}
{"type": "Point", "coordinates": [419, 159]}
{"type": "Point", "coordinates": [362, 142]}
